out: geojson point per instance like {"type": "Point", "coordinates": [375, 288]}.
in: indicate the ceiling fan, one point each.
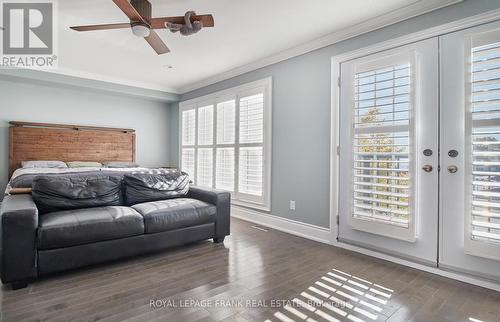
{"type": "Point", "coordinates": [143, 25]}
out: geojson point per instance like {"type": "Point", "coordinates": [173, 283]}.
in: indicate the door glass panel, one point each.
{"type": "Point", "coordinates": [485, 115]}
{"type": "Point", "coordinates": [381, 147]}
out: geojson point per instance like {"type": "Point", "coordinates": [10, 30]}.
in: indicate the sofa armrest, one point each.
{"type": "Point", "coordinates": [19, 223]}
{"type": "Point", "coordinates": [221, 200]}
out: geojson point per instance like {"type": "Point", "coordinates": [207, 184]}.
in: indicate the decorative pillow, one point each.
{"type": "Point", "coordinates": [153, 185]}
{"type": "Point", "coordinates": [84, 164]}
{"type": "Point", "coordinates": [43, 164]}
{"type": "Point", "coordinates": [120, 164]}
{"type": "Point", "coordinates": [57, 192]}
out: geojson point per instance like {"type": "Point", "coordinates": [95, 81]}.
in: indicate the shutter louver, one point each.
{"type": "Point", "coordinates": [205, 125]}
{"type": "Point", "coordinates": [204, 173]}
{"type": "Point", "coordinates": [381, 147]}
{"type": "Point", "coordinates": [485, 114]}
{"type": "Point", "coordinates": [188, 127]}
{"type": "Point", "coordinates": [225, 169]}
{"type": "Point", "coordinates": [251, 163]}
{"type": "Point", "coordinates": [252, 119]}
{"type": "Point", "coordinates": [226, 122]}
{"type": "Point", "coordinates": [187, 161]}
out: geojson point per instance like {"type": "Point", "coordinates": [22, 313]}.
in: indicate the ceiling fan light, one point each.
{"type": "Point", "coordinates": [140, 30]}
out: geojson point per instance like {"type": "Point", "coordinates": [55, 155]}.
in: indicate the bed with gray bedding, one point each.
{"type": "Point", "coordinates": [23, 177]}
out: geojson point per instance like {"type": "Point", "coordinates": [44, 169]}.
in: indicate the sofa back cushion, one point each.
{"type": "Point", "coordinates": [153, 185]}
{"type": "Point", "coordinates": [55, 193]}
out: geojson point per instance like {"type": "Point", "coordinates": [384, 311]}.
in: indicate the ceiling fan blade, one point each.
{"type": "Point", "coordinates": [159, 23]}
{"type": "Point", "coordinates": [129, 10]}
{"type": "Point", "coordinates": [101, 27]}
{"type": "Point", "coordinates": [155, 41]}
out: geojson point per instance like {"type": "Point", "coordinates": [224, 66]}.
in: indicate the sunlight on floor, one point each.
{"type": "Point", "coordinates": [337, 295]}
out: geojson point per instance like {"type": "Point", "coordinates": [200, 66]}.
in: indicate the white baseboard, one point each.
{"type": "Point", "coordinates": [324, 235]}
{"type": "Point", "coordinates": [313, 232]}
{"type": "Point", "coordinates": [434, 270]}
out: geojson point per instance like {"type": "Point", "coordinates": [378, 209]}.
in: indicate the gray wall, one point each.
{"type": "Point", "coordinates": [26, 101]}
{"type": "Point", "coordinates": [301, 114]}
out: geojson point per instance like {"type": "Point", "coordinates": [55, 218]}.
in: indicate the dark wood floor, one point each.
{"type": "Point", "coordinates": [267, 275]}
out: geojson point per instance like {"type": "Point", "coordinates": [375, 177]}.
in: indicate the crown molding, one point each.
{"type": "Point", "coordinates": [415, 9]}
{"type": "Point", "coordinates": [109, 79]}
{"type": "Point", "coordinates": [39, 77]}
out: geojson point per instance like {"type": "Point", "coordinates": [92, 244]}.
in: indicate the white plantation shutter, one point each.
{"type": "Point", "coordinates": [251, 171]}
{"type": "Point", "coordinates": [204, 175]}
{"type": "Point", "coordinates": [188, 127]}
{"type": "Point", "coordinates": [226, 122]}
{"type": "Point", "coordinates": [225, 169]}
{"type": "Point", "coordinates": [225, 142]}
{"type": "Point", "coordinates": [381, 145]}
{"type": "Point", "coordinates": [252, 119]}
{"type": "Point", "coordinates": [187, 161]}
{"type": "Point", "coordinates": [251, 157]}
{"type": "Point", "coordinates": [205, 125]}
{"type": "Point", "coordinates": [485, 140]}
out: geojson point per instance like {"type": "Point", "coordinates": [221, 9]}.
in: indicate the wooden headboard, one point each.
{"type": "Point", "coordinates": [63, 142]}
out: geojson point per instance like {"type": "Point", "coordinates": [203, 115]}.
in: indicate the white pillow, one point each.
{"type": "Point", "coordinates": [43, 164]}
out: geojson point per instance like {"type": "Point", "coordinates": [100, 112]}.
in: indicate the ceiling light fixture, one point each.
{"type": "Point", "coordinates": [140, 30]}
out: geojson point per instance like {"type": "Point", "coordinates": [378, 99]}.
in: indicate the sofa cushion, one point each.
{"type": "Point", "coordinates": [157, 184]}
{"type": "Point", "coordinates": [175, 213]}
{"type": "Point", "coordinates": [83, 226]}
{"type": "Point", "coordinates": [55, 193]}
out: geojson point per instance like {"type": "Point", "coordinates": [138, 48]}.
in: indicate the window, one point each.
{"type": "Point", "coordinates": [226, 142]}
{"type": "Point", "coordinates": [484, 117]}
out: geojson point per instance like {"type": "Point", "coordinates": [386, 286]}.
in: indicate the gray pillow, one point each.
{"type": "Point", "coordinates": [120, 164]}
{"type": "Point", "coordinates": [43, 164]}
{"type": "Point", "coordinates": [56, 192]}
{"type": "Point", "coordinates": [155, 185]}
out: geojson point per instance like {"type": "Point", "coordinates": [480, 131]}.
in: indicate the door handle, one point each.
{"type": "Point", "coordinates": [452, 168]}
{"type": "Point", "coordinates": [427, 168]}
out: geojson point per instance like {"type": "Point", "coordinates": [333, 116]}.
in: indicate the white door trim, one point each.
{"type": "Point", "coordinates": [440, 30]}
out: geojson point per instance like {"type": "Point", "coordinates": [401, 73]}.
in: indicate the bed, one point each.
{"type": "Point", "coordinates": [64, 142]}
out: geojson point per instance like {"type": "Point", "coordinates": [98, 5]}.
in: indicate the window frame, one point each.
{"type": "Point", "coordinates": [235, 93]}
{"type": "Point", "coordinates": [380, 61]}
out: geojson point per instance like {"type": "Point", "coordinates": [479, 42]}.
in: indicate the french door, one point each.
{"type": "Point", "coordinates": [420, 151]}
{"type": "Point", "coordinates": [470, 151]}
{"type": "Point", "coordinates": [388, 151]}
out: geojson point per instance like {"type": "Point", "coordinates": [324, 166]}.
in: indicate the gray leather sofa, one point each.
{"type": "Point", "coordinates": [34, 243]}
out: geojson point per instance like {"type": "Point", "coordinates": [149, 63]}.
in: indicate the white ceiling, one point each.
{"type": "Point", "coordinates": [245, 32]}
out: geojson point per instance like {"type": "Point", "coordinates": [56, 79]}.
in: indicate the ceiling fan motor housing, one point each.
{"type": "Point", "coordinates": [143, 7]}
